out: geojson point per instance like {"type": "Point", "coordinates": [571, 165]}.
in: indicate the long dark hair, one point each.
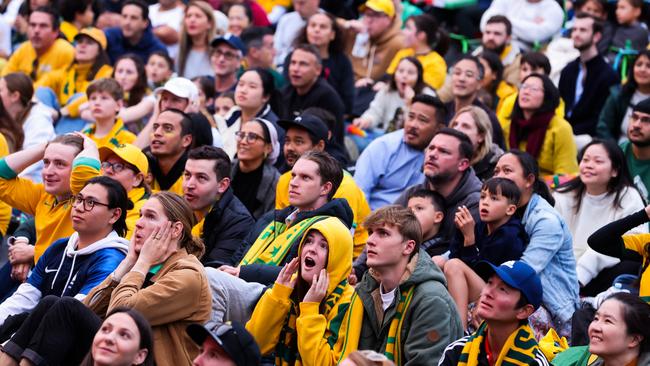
{"type": "Point", "coordinates": [615, 186]}
{"type": "Point", "coordinates": [529, 166]}
{"type": "Point", "coordinates": [335, 46]}
{"type": "Point", "coordinates": [268, 87]}
{"type": "Point", "coordinates": [146, 336]}
{"type": "Point", "coordinates": [437, 37]}
{"type": "Point", "coordinates": [496, 66]}
{"type": "Point", "coordinates": [551, 97]}
{"type": "Point", "coordinates": [636, 315]}
{"type": "Point", "coordinates": [631, 85]}
{"type": "Point", "coordinates": [140, 88]}
{"type": "Point", "coordinates": [419, 84]}
{"type": "Point", "coordinates": [117, 198]}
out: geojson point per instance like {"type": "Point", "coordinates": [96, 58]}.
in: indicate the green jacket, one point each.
{"type": "Point", "coordinates": [431, 321]}
{"type": "Point", "coordinates": [580, 356]}
{"type": "Point", "coordinates": [612, 114]}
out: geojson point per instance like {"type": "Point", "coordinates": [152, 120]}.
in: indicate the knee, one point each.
{"type": "Point", "coordinates": [454, 266]}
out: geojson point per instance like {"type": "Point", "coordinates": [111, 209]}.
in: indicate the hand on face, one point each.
{"type": "Point", "coordinates": [286, 277]}
{"type": "Point", "coordinates": [159, 246]}
{"type": "Point", "coordinates": [318, 288]}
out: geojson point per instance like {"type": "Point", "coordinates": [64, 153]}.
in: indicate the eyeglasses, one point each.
{"type": "Point", "coordinates": [227, 55]}
{"type": "Point", "coordinates": [250, 137]}
{"type": "Point", "coordinates": [531, 88]}
{"type": "Point", "coordinates": [116, 167]}
{"type": "Point", "coordinates": [635, 117]}
{"type": "Point", "coordinates": [89, 202]}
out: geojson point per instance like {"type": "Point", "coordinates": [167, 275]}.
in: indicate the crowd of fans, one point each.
{"type": "Point", "coordinates": [324, 182]}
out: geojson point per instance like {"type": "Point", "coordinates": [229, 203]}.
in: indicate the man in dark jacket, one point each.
{"type": "Point", "coordinates": [585, 82]}
{"type": "Point", "coordinates": [225, 221]}
{"type": "Point", "coordinates": [134, 35]}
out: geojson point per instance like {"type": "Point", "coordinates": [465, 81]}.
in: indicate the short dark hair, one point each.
{"type": "Point", "coordinates": [70, 8]}
{"type": "Point", "coordinates": [140, 4]}
{"type": "Point", "coordinates": [597, 26]}
{"type": "Point", "coordinates": [435, 102]}
{"type": "Point", "coordinates": [636, 314]}
{"type": "Point", "coordinates": [186, 120]}
{"type": "Point", "coordinates": [306, 47]}
{"type": "Point", "coordinates": [328, 169]}
{"type": "Point", "coordinates": [504, 187]}
{"type": "Point", "coordinates": [117, 198]}
{"type": "Point", "coordinates": [52, 12]}
{"type": "Point", "coordinates": [326, 116]}
{"type": "Point", "coordinates": [465, 147]}
{"type": "Point", "coordinates": [437, 200]}
{"type": "Point", "coordinates": [253, 37]}
{"type": "Point", "coordinates": [475, 60]}
{"type": "Point", "coordinates": [551, 97]}
{"type": "Point", "coordinates": [222, 163]}
{"type": "Point", "coordinates": [165, 56]}
{"type": "Point", "coordinates": [536, 60]}
{"type": "Point", "coordinates": [501, 19]}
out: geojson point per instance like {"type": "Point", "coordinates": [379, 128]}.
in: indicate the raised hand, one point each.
{"type": "Point", "coordinates": [465, 223]}
{"type": "Point", "coordinates": [286, 277]}
{"type": "Point", "coordinates": [318, 288]}
{"type": "Point", "coordinates": [158, 247]}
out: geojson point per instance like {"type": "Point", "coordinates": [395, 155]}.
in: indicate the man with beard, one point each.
{"type": "Point", "coordinates": [497, 38]}
{"type": "Point", "coordinates": [448, 172]}
{"type": "Point", "coordinates": [585, 81]}
{"type": "Point", "coordinates": [393, 162]}
{"type": "Point", "coordinates": [637, 149]}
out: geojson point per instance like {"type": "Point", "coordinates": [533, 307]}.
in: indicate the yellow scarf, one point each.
{"type": "Point", "coordinates": [519, 349]}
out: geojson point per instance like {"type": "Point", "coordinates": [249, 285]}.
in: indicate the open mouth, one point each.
{"type": "Point", "coordinates": [309, 262]}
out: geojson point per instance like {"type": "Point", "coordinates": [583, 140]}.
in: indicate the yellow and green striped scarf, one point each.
{"type": "Point", "coordinates": [519, 349]}
{"type": "Point", "coordinates": [273, 244]}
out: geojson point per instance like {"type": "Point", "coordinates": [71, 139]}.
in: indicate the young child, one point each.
{"type": "Point", "coordinates": [207, 93]}
{"type": "Point", "coordinates": [159, 68]}
{"type": "Point", "coordinates": [628, 13]}
{"type": "Point", "coordinates": [105, 101]}
{"type": "Point", "coordinates": [223, 103]}
{"type": "Point", "coordinates": [299, 319]}
{"type": "Point", "coordinates": [428, 207]}
{"type": "Point", "coordinates": [497, 238]}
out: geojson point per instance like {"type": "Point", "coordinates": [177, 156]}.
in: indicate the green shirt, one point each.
{"type": "Point", "coordinates": [639, 170]}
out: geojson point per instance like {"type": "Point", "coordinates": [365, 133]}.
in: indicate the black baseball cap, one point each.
{"type": "Point", "coordinates": [309, 122]}
{"type": "Point", "coordinates": [235, 340]}
{"type": "Point", "coordinates": [231, 40]}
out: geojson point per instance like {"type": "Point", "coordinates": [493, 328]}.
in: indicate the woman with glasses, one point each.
{"type": "Point", "coordinates": [255, 97]}
{"type": "Point", "coordinates": [71, 266]}
{"type": "Point", "coordinates": [253, 176]}
{"type": "Point", "coordinates": [125, 163]}
{"type": "Point", "coordinates": [534, 127]}
{"type": "Point", "coordinates": [161, 277]}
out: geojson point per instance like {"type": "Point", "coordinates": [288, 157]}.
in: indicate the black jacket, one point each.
{"type": "Point", "coordinates": [224, 229]}
{"type": "Point", "coordinates": [583, 114]}
{"type": "Point", "coordinates": [266, 274]}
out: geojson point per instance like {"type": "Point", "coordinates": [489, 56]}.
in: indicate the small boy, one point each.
{"type": "Point", "coordinates": [159, 69]}
{"type": "Point", "coordinates": [428, 207]}
{"type": "Point", "coordinates": [629, 29]}
{"type": "Point", "coordinates": [499, 237]}
{"type": "Point", "coordinates": [223, 103]}
{"type": "Point", "coordinates": [105, 100]}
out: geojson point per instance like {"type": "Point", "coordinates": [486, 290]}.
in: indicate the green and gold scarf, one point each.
{"type": "Point", "coordinates": [519, 349]}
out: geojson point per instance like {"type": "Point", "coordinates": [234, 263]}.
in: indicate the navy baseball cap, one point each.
{"type": "Point", "coordinates": [231, 40]}
{"type": "Point", "coordinates": [309, 122]}
{"type": "Point", "coordinates": [238, 343]}
{"type": "Point", "coordinates": [516, 274]}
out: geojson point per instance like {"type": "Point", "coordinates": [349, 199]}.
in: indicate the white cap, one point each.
{"type": "Point", "coordinates": [182, 88]}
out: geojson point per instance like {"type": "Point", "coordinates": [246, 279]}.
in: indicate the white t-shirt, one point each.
{"type": "Point", "coordinates": [172, 18]}
{"type": "Point", "coordinates": [386, 298]}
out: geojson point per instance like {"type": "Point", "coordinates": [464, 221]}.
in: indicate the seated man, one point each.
{"type": "Point", "coordinates": [226, 53]}
{"type": "Point", "coordinates": [512, 293]}
{"type": "Point", "coordinates": [305, 133]}
{"type": "Point", "coordinates": [393, 162]}
{"type": "Point", "coordinates": [401, 307]}
{"type": "Point", "coordinates": [224, 220]}
{"type": "Point", "coordinates": [229, 344]}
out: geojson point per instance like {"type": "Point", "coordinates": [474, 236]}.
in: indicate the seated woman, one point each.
{"type": "Point", "coordinates": [125, 163]}
{"type": "Point", "coordinates": [73, 266]}
{"type": "Point", "coordinates": [614, 117]}
{"type": "Point", "coordinates": [495, 90]}
{"type": "Point", "coordinates": [30, 122]}
{"type": "Point", "coordinates": [387, 109]}
{"type": "Point", "coordinates": [603, 192]}
{"type": "Point", "coordinates": [64, 90]}
{"type": "Point", "coordinates": [549, 249]}
{"type": "Point", "coordinates": [618, 335]}
{"type": "Point", "coordinates": [475, 123]}
{"type": "Point", "coordinates": [534, 127]}
{"type": "Point", "coordinates": [255, 96]}
{"type": "Point", "coordinates": [137, 347]}
{"type": "Point", "coordinates": [300, 319]}
{"type": "Point", "coordinates": [161, 277]}
{"type": "Point", "coordinates": [199, 28]}
{"type": "Point", "coordinates": [253, 176]}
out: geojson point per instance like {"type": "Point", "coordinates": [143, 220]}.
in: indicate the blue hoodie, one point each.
{"type": "Point", "coordinates": [118, 45]}
{"type": "Point", "coordinates": [65, 271]}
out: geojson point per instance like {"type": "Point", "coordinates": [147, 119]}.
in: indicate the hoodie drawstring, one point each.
{"type": "Point", "coordinates": [58, 270]}
{"type": "Point", "coordinates": [69, 275]}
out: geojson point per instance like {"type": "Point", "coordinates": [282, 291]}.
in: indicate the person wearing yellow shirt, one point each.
{"type": "Point", "coordinates": [428, 43]}
{"type": "Point", "coordinates": [64, 90]}
{"type": "Point", "coordinates": [48, 202]}
{"type": "Point", "coordinates": [44, 52]}
{"type": "Point", "coordinates": [105, 98]}
{"type": "Point", "coordinates": [76, 15]}
{"type": "Point", "coordinates": [494, 87]}
{"type": "Point", "coordinates": [308, 132]}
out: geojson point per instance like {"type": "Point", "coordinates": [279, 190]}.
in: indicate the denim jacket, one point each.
{"type": "Point", "coordinates": [550, 253]}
